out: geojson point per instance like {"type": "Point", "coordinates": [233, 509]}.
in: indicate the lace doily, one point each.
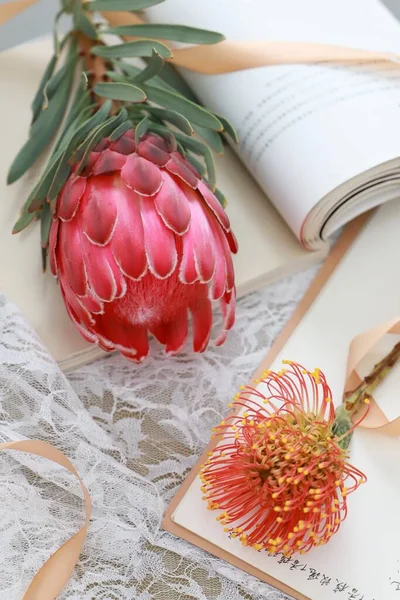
{"type": "Point", "coordinates": [133, 432]}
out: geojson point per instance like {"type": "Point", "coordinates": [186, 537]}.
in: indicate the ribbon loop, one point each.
{"type": "Point", "coordinates": [360, 347]}
{"type": "Point", "coordinates": [54, 574]}
{"type": "Point", "coordinates": [230, 56]}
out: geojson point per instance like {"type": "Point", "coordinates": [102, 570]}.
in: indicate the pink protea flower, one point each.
{"type": "Point", "coordinates": [138, 241]}
{"type": "Point", "coordinates": [280, 476]}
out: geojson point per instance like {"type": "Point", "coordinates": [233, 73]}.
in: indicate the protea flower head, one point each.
{"type": "Point", "coordinates": [138, 242]}
{"type": "Point", "coordinates": [129, 209]}
{"type": "Point", "coordinates": [280, 477]}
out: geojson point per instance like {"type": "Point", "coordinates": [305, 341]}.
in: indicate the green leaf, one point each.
{"type": "Point", "coordinates": [71, 137]}
{"type": "Point", "coordinates": [140, 48]}
{"type": "Point", "coordinates": [47, 124]}
{"type": "Point", "coordinates": [229, 129]}
{"type": "Point", "coordinates": [181, 149]}
{"type": "Point", "coordinates": [79, 112]}
{"type": "Point", "coordinates": [65, 140]}
{"type": "Point", "coordinates": [202, 149]}
{"type": "Point", "coordinates": [37, 197]}
{"type": "Point", "coordinates": [37, 102]}
{"type": "Point", "coordinates": [196, 163]}
{"type": "Point", "coordinates": [118, 77]}
{"type": "Point", "coordinates": [195, 113]}
{"type": "Point", "coordinates": [123, 128]}
{"type": "Point", "coordinates": [166, 134]}
{"type": "Point", "coordinates": [221, 198]}
{"type": "Point", "coordinates": [154, 67]}
{"type": "Point", "coordinates": [55, 81]}
{"type": "Point", "coordinates": [104, 130]}
{"type": "Point", "coordinates": [116, 5]}
{"type": "Point", "coordinates": [213, 139]}
{"type": "Point", "coordinates": [56, 33]}
{"type": "Point", "coordinates": [23, 221]}
{"type": "Point", "coordinates": [171, 116]}
{"type": "Point", "coordinates": [120, 91]}
{"type": "Point", "coordinates": [141, 129]}
{"type": "Point", "coordinates": [178, 33]}
{"type": "Point", "coordinates": [83, 24]}
{"type": "Point", "coordinates": [44, 259]}
{"type": "Point", "coordinates": [86, 128]}
{"type": "Point", "coordinates": [174, 80]}
{"type": "Point", "coordinates": [63, 171]}
{"type": "Point", "coordinates": [45, 224]}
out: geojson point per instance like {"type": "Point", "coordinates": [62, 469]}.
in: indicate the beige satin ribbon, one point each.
{"type": "Point", "coordinates": [360, 347]}
{"type": "Point", "coordinates": [54, 574]}
{"type": "Point", "coordinates": [8, 10]}
{"type": "Point", "coordinates": [229, 56]}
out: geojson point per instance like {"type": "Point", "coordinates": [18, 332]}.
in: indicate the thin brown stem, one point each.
{"type": "Point", "coordinates": [96, 67]}
{"type": "Point", "coordinates": [95, 64]}
{"type": "Point", "coordinates": [355, 399]}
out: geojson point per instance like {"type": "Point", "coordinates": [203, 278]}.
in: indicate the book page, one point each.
{"type": "Point", "coordinates": [304, 129]}
{"type": "Point", "coordinates": [361, 561]}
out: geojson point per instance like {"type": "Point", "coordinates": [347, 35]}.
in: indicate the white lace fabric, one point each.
{"type": "Point", "coordinates": [133, 432]}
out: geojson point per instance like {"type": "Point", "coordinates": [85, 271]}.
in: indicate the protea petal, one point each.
{"type": "Point", "coordinates": [140, 345]}
{"type": "Point", "coordinates": [159, 241]}
{"type": "Point", "coordinates": [173, 206]}
{"type": "Point", "coordinates": [160, 332]}
{"type": "Point", "coordinates": [53, 239]}
{"type": "Point", "coordinates": [130, 340]}
{"type": "Point", "coordinates": [127, 243]}
{"type": "Point", "coordinates": [85, 333]}
{"type": "Point", "coordinates": [70, 197]}
{"type": "Point", "coordinates": [230, 274]}
{"type": "Point", "coordinates": [228, 305]}
{"type": "Point", "coordinates": [70, 259]}
{"type": "Point", "coordinates": [103, 145]}
{"type": "Point", "coordinates": [138, 243]}
{"type": "Point", "coordinates": [176, 332]}
{"type": "Point", "coordinates": [99, 214]}
{"type": "Point", "coordinates": [202, 322]}
{"type": "Point", "coordinates": [141, 175]}
{"type": "Point", "coordinates": [125, 145]}
{"type": "Point", "coordinates": [187, 272]}
{"type": "Point", "coordinates": [93, 158]}
{"type": "Point", "coordinates": [152, 152]}
{"type": "Point", "coordinates": [157, 140]}
{"type": "Point", "coordinates": [92, 304]}
{"type": "Point", "coordinates": [219, 283]}
{"type": "Point", "coordinates": [101, 271]}
{"type": "Point", "coordinates": [232, 241]}
{"type": "Point", "coordinates": [108, 162]}
{"type": "Point", "coordinates": [213, 203]}
{"type": "Point", "coordinates": [82, 315]}
{"type": "Point", "coordinates": [203, 239]}
{"type": "Point", "coordinates": [178, 166]}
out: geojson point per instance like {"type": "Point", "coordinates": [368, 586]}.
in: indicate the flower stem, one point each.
{"type": "Point", "coordinates": [355, 399]}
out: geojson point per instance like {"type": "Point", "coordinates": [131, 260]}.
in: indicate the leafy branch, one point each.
{"type": "Point", "coordinates": [91, 90]}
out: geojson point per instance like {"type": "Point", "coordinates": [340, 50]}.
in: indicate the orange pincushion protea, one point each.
{"type": "Point", "coordinates": [280, 476]}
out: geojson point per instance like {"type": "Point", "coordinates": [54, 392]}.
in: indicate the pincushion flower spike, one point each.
{"type": "Point", "coordinates": [279, 476]}
{"type": "Point", "coordinates": [131, 219]}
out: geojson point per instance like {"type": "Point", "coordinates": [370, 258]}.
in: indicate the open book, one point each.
{"type": "Point", "coordinates": [317, 138]}
{"type": "Point", "coordinates": [362, 560]}
{"type": "Point", "coordinates": [317, 145]}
